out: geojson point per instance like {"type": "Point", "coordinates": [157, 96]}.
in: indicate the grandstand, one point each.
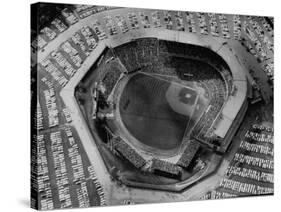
{"type": "Point", "coordinates": [164, 167]}
{"type": "Point", "coordinates": [129, 153]}
{"type": "Point", "coordinates": [150, 100]}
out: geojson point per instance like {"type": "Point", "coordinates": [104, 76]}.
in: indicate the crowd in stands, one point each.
{"type": "Point", "coordinates": [128, 152]}
{"type": "Point", "coordinates": [142, 54]}
{"type": "Point", "coordinates": [110, 79]}
{"type": "Point", "coordinates": [197, 53]}
{"type": "Point", "coordinates": [188, 154]}
{"type": "Point", "coordinates": [128, 56]}
{"type": "Point", "coordinates": [165, 166]}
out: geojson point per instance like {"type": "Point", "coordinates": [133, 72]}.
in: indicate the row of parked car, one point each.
{"type": "Point", "coordinates": [39, 117]}
{"type": "Point", "coordinates": [144, 20]}
{"type": "Point", "coordinates": [72, 53]}
{"type": "Point", "coordinates": [97, 185]}
{"type": "Point", "coordinates": [261, 34]}
{"type": "Point", "coordinates": [224, 26]}
{"type": "Point", "coordinates": [43, 179]}
{"type": "Point", "coordinates": [79, 176]}
{"type": "Point", "coordinates": [237, 27]}
{"type": "Point", "coordinates": [168, 20]}
{"type": "Point", "coordinates": [63, 63]}
{"type": "Point", "coordinates": [213, 24]}
{"type": "Point", "coordinates": [260, 137]}
{"type": "Point", "coordinates": [60, 170]}
{"type": "Point", "coordinates": [202, 23]}
{"type": "Point", "coordinates": [50, 68]}
{"type": "Point", "coordinates": [249, 173]}
{"type": "Point", "coordinates": [257, 148]}
{"type": "Point", "coordinates": [156, 19]}
{"type": "Point", "coordinates": [190, 22]}
{"type": "Point", "coordinates": [254, 161]}
{"type": "Point", "coordinates": [179, 21]}
{"type": "Point", "coordinates": [245, 188]}
{"type": "Point", "coordinates": [51, 105]}
{"type": "Point", "coordinates": [217, 195]}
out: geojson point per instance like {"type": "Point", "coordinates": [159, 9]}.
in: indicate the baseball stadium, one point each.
{"type": "Point", "coordinates": [155, 105]}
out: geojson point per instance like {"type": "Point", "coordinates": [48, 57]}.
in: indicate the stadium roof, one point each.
{"type": "Point", "coordinates": [223, 126]}
{"type": "Point", "coordinates": [235, 102]}
{"type": "Point", "coordinates": [231, 108]}
{"type": "Point", "coordinates": [236, 67]}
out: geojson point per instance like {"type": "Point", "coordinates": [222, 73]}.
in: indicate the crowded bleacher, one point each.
{"type": "Point", "coordinates": [188, 154]}
{"type": "Point", "coordinates": [165, 167]}
{"type": "Point", "coordinates": [128, 152]}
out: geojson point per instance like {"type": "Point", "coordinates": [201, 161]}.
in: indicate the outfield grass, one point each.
{"type": "Point", "coordinates": [147, 114]}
